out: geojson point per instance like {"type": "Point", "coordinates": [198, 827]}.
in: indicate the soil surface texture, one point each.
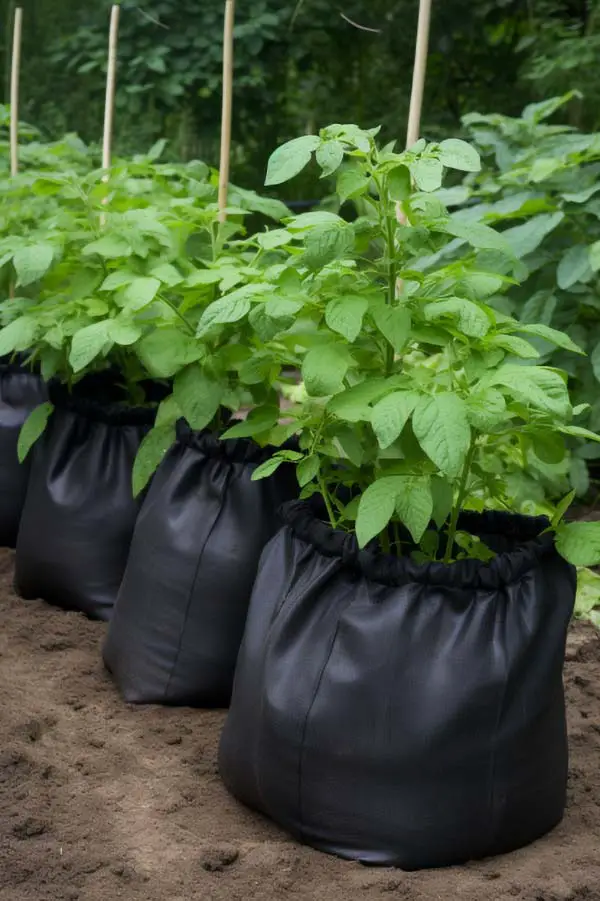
{"type": "Point", "coordinates": [100, 801]}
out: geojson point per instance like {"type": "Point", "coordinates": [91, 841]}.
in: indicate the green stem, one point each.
{"type": "Point", "coordinates": [328, 504]}
{"type": "Point", "coordinates": [462, 492]}
{"type": "Point", "coordinates": [391, 292]}
{"type": "Point", "coordinates": [172, 306]}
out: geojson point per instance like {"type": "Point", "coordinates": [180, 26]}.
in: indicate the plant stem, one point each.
{"type": "Point", "coordinates": [462, 492]}
{"type": "Point", "coordinates": [391, 293]}
{"type": "Point", "coordinates": [328, 504]}
{"type": "Point", "coordinates": [172, 306]}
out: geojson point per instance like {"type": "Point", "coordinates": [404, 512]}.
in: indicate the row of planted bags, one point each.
{"type": "Point", "coordinates": [394, 713]}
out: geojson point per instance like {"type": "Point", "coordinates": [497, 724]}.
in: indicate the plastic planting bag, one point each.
{"type": "Point", "coordinates": [79, 512]}
{"type": "Point", "coordinates": [181, 610]}
{"type": "Point", "coordinates": [21, 390]}
{"type": "Point", "coordinates": [402, 714]}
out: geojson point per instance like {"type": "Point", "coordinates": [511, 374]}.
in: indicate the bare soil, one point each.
{"type": "Point", "coordinates": [101, 801]}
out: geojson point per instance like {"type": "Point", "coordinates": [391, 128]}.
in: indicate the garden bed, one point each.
{"type": "Point", "coordinates": [99, 800]}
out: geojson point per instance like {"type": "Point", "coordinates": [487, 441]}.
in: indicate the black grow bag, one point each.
{"type": "Point", "coordinates": [181, 610]}
{"type": "Point", "coordinates": [79, 512]}
{"type": "Point", "coordinates": [21, 391]}
{"type": "Point", "coordinates": [402, 714]}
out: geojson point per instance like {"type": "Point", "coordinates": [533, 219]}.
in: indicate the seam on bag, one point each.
{"type": "Point", "coordinates": [193, 585]}
{"type": "Point", "coordinates": [307, 717]}
{"type": "Point", "coordinates": [493, 813]}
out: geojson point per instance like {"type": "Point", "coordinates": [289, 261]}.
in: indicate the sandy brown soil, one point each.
{"type": "Point", "coordinates": [100, 801]}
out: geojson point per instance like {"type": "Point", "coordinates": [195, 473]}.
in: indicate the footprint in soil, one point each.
{"type": "Point", "coordinates": [30, 827]}
{"type": "Point", "coordinates": [33, 730]}
{"type": "Point", "coordinates": [216, 858]}
{"type": "Point", "coordinates": [14, 765]}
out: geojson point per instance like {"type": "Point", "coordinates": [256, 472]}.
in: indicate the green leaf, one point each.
{"type": "Point", "coordinates": [442, 493]}
{"type": "Point", "coordinates": [330, 157]}
{"type": "Point", "coordinates": [594, 359]}
{"type": "Point", "coordinates": [394, 323]}
{"type": "Point", "coordinates": [259, 421]}
{"type": "Point", "coordinates": [376, 508]}
{"type": "Point", "coordinates": [123, 332]}
{"type": "Point", "coordinates": [574, 267]}
{"type": "Point", "coordinates": [472, 320]}
{"type": "Point", "coordinates": [197, 395]}
{"type": "Point", "coordinates": [168, 412]}
{"type": "Point", "coordinates": [562, 508]}
{"type": "Point", "coordinates": [391, 414]}
{"type": "Point", "coordinates": [414, 504]}
{"type": "Point", "coordinates": [516, 346]}
{"type": "Point", "coordinates": [579, 476]}
{"type": "Point", "coordinates": [535, 386]}
{"type": "Point", "coordinates": [31, 263]}
{"type": "Point", "coordinates": [117, 280]}
{"type": "Point", "coordinates": [109, 247]}
{"type": "Point", "coordinates": [456, 154]}
{"type": "Point", "coordinates": [32, 428]}
{"type": "Point", "coordinates": [282, 307]}
{"type": "Point", "coordinates": [308, 469]}
{"type": "Point", "coordinates": [271, 465]}
{"type": "Point", "coordinates": [230, 308]}
{"type": "Point", "coordinates": [399, 183]}
{"type": "Point", "coordinates": [290, 159]}
{"type": "Point", "coordinates": [17, 335]}
{"type": "Point", "coordinates": [442, 429]}
{"type": "Point", "coordinates": [351, 182]}
{"type": "Point", "coordinates": [578, 432]}
{"type": "Point", "coordinates": [278, 237]}
{"type": "Point", "coordinates": [140, 293]}
{"type": "Point", "coordinates": [164, 351]}
{"type": "Point", "coordinates": [549, 447]}
{"type": "Point", "coordinates": [579, 543]}
{"type": "Point", "coordinates": [594, 254]}
{"type": "Point", "coordinates": [345, 314]}
{"type": "Point", "coordinates": [167, 274]}
{"type": "Point", "coordinates": [151, 452]}
{"type": "Point", "coordinates": [326, 243]}
{"type": "Point", "coordinates": [477, 235]}
{"type": "Point", "coordinates": [560, 339]}
{"type": "Point", "coordinates": [88, 343]}
{"type": "Point", "coordinates": [350, 445]}
{"type": "Point", "coordinates": [428, 174]}
{"type": "Point", "coordinates": [524, 239]}
{"type": "Point", "coordinates": [324, 368]}
{"type": "Point", "coordinates": [588, 595]}
{"type": "Point", "coordinates": [486, 409]}
{"type": "Point", "coordinates": [539, 308]}
{"type": "Point", "coordinates": [352, 405]}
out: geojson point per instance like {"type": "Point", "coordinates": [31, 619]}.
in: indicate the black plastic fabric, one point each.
{"type": "Point", "coordinates": [21, 391]}
{"type": "Point", "coordinates": [180, 614]}
{"type": "Point", "coordinates": [402, 714]}
{"type": "Point", "coordinates": [79, 511]}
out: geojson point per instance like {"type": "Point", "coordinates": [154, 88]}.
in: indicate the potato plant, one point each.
{"type": "Point", "coordinates": [412, 377]}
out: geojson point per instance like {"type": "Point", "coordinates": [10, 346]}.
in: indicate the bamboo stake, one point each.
{"type": "Point", "coordinates": [14, 91]}
{"type": "Point", "coordinates": [419, 71]}
{"type": "Point", "coordinates": [418, 84]}
{"type": "Point", "coordinates": [227, 107]}
{"type": "Point", "coordinates": [109, 103]}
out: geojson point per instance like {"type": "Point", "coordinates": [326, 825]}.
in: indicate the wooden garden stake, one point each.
{"type": "Point", "coordinates": [15, 71]}
{"type": "Point", "coordinates": [420, 68]}
{"type": "Point", "coordinates": [14, 91]}
{"type": "Point", "coordinates": [109, 105]}
{"type": "Point", "coordinates": [227, 107]}
{"type": "Point", "coordinates": [418, 83]}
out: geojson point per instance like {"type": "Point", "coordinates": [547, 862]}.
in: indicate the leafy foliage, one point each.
{"type": "Point", "coordinates": [540, 186]}
{"type": "Point", "coordinates": [402, 417]}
